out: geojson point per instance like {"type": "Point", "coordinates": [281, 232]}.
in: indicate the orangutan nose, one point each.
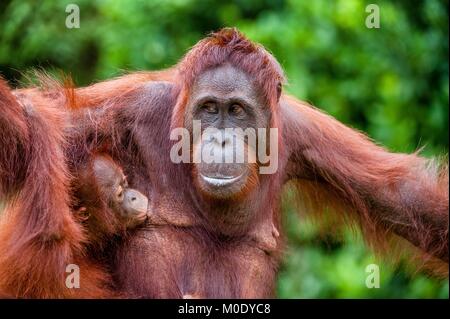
{"type": "Point", "coordinates": [222, 139]}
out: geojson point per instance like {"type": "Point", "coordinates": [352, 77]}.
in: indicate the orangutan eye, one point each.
{"type": "Point", "coordinates": [210, 108]}
{"type": "Point", "coordinates": [236, 110]}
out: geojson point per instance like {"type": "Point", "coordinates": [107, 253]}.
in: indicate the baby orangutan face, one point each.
{"type": "Point", "coordinates": [106, 205]}
{"type": "Point", "coordinates": [128, 204]}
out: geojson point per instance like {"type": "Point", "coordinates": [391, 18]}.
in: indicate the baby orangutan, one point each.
{"type": "Point", "coordinates": [104, 204]}
{"type": "Point", "coordinates": [107, 207]}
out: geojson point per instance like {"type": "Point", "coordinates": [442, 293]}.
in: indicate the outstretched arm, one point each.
{"type": "Point", "coordinates": [38, 235]}
{"type": "Point", "coordinates": [14, 142]}
{"type": "Point", "coordinates": [386, 192]}
{"type": "Point", "coordinates": [104, 115]}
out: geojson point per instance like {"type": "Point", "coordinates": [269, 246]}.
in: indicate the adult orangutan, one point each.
{"type": "Point", "coordinates": [214, 225]}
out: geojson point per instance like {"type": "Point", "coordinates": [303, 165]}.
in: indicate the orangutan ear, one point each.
{"type": "Point", "coordinates": [279, 89]}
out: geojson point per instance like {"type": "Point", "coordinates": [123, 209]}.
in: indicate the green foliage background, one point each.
{"type": "Point", "coordinates": [391, 82]}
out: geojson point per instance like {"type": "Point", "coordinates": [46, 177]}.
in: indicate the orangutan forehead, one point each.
{"type": "Point", "coordinates": [224, 80]}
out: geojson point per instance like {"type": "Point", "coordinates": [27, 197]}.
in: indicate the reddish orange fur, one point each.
{"type": "Point", "coordinates": [385, 193]}
{"type": "Point", "coordinates": [228, 46]}
{"type": "Point", "coordinates": [38, 234]}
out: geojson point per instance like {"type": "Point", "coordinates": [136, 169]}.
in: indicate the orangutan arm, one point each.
{"type": "Point", "coordinates": [386, 192]}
